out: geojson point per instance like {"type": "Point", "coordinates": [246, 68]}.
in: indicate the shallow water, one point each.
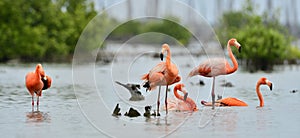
{"type": "Point", "coordinates": [87, 111]}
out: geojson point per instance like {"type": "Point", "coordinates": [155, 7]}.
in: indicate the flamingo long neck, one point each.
{"type": "Point", "coordinates": [37, 73]}
{"type": "Point", "coordinates": [235, 63]}
{"type": "Point", "coordinates": [178, 96]}
{"type": "Point", "coordinates": [260, 97]}
{"type": "Point", "coordinates": [168, 59]}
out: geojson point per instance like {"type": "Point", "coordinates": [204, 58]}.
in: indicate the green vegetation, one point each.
{"type": "Point", "coordinates": [264, 41]}
{"type": "Point", "coordinates": [168, 26]}
{"type": "Point", "coordinates": [47, 30]}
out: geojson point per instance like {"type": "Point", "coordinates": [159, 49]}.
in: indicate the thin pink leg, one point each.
{"type": "Point", "coordinates": [32, 103]}
{"type": "Point", "coordinates": [213, 93]}
{"type": "Point", "coordinates": [158, 102]}
{"type": "Point", "coordinates": [166, 101]}
{"type": "Point", "coordinates": [37, 103]}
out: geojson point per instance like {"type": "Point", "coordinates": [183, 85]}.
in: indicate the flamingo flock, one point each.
{"type": "Point", "coordinates": [166, 73]}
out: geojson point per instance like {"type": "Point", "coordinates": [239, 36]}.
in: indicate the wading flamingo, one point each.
{"type": "Point", "coordinates": [163, 74]}
{"type": "Point", "coordinates": [36, 82]}
{"type": "Point", "coordinates": [182, 103]}
{"type": "Point", "coordinates": [217, 66]}
{"type": "Point", "coordinates": [230, 101]}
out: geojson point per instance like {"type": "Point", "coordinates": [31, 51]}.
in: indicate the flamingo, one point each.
{"type": "Point", "coordinates": [163, 74]}
{"type": "Point", "coordinates": [184, 103]}
{"type": "Point", "coordinates": [36, 82]}
{"type": "Point", "coordinates": [217, 66]}
{"type": "Point", "coordinates": [230, 101]}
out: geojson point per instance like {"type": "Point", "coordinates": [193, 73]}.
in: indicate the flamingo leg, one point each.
{"type": "Point", "coordinates": [37, 103]}
{"type": "Point", "coordinates": [158, 101]}
{"type": "Point", "coordinates": [213, 93]}
{"type": "Point", "coordinates": [32, 103]}
{"type": "Point", "coordinates": [166, 101]}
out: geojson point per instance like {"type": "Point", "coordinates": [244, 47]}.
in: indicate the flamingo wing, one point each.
{"type": "Point", "coordinates": [231, 101]}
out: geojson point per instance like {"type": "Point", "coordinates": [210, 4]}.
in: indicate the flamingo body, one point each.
{"type": "Point", "coordinates": [229, 101]}
{"type": "Point", "coordinates": [181, 103]}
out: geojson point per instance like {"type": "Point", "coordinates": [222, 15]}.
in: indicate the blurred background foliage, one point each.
{"type": "Point", "coordinates": [168, 26]}
{"type": "Point", "coordinates": [265, 42]}
{"type": "Point", "coordinates": [42, 30]}
{"type": "Point", "coordinates": [48, 31]}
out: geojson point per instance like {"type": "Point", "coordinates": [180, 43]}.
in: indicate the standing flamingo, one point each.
{"type": "Point", "coordinates": [230, 101]}
{"type": "Point", "coordinates": [164, 73]}
{"type": "Point", "coordinates": [36, 82]}
{"type": "Point", "coordinates": [184, 103]}
{"type": "Point", "coordinates": [217, 66]}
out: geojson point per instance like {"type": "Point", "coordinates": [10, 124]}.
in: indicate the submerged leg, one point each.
{"type": "Point", "coordinates": [213, 93]}
{"type": "Point", "coordinates": [166, 101]}
{"type": "Point", "coordinates": [158, 101]}
{"type": "Point", "coordinates": [32, 103]}
{"type": "Point", "coordinates": [37, 103]}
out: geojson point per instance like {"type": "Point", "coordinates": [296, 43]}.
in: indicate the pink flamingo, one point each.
{"type": "Point", "coordinates": [182, 103]}
{"type": "Point", "coordinates": [163, 74]}
{"type": "Point", "coordinates": [36, 82]}
{"type": "Point", "coordinates": [217, 66]}
{"type": "Point", "coordinates": [230, 101]}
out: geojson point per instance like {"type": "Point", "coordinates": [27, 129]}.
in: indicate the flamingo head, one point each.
{"type": "Point", "coordinates": [234, 42]}
{"type": "Point", "coordinates": [164, 48]}
{"type": "Point", "coordinates": [265, 81]}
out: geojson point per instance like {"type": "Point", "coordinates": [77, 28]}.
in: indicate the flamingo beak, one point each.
{"type": "Point", "coordinates": [185, 96]}
{"type": "Point", "coordinates": [161, 56]}
{"type": "Point", "coordinates": [269, 84]}
{"type": "Point", "coordinates": [238, 45]}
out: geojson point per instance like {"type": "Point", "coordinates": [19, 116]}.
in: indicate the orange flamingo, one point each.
{"type": "Point", "coordinates": [184, 103]}
{"type": "Point", "coordinates": [217, 66]}
{"type": "Point", "coordinates": [230, 101]}
{"type": "Point", "coordinates": [36, 82]}
{"type": "Point", "coordinates": [163, 74]}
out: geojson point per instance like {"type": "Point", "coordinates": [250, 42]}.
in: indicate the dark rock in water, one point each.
{"type": "Point", "coordinates": [201, 82]}
{"type": "Point", "coordinates": [116, 111]}
{"type": "Point", "coordinates": [136, 95]}
{"type": "Point", "coordinates": [293, 91]}
{"type": "Point", "coordinates": [156, 55]}
{"type": "Point", "coordinates": [227, 84]}
{"type": "Point", "coordinates": [147, 111]}
{"type": "Point", "coordinates": [132, 113]}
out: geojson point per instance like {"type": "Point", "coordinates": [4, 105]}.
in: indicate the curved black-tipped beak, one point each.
{"type": "Point", "coordinates": [161, 55]}
{"type": "Point", "coordinates": [240, 49]}
{"type": "Point", "coordinates": [271, 86]}
{"type": "Point", "coordinates": [185, 96]}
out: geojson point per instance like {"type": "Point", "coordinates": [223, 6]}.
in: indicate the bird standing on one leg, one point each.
{"type": "Point", "coordinates": [36, 82]}
{"type": "Point", "coordinates": [217, 66]}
